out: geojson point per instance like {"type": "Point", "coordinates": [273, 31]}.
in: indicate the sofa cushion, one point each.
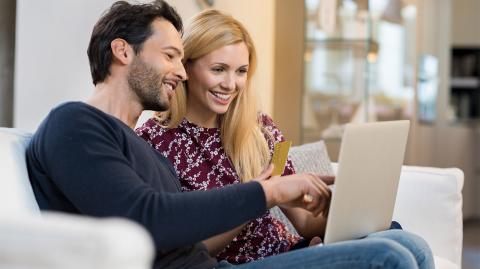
{"type": "Point", "coordinates": [429, 203]}
{"type": "Point", "coordinates": [311, 157]}
{"type": "Point", "coordinates": [441, 263]}
{"type": "Point", "coordinates": [16, 195]}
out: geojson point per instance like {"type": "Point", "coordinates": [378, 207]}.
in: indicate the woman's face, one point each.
{"type": "Point", "coordinates": [215, 79]}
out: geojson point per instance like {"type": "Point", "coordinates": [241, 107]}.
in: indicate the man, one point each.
{"type": "Point", "coordinates": [86, 159]}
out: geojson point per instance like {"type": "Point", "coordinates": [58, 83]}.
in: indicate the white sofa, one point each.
{"type": "Point", "coordinates": [429, 203]}
{"type": "Point", "coordinates": [29, 240]}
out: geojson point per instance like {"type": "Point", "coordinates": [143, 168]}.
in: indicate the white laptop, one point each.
{"type": "Point", "coordinates": [366, 183]}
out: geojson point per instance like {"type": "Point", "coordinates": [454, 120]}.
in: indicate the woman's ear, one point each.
{"type": "Point", "coordinates": [121, 51]}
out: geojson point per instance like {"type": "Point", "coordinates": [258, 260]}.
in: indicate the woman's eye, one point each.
{"type": "Point", "coordinates": [217, 69]}
{"type": "Point", "coordinates": [242, 71]}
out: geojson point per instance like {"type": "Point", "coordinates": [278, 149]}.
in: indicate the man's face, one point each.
{"type": "Point", "coordinates": [156, 71]}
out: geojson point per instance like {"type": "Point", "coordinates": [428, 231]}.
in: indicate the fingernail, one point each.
{"type": "Point", "coordinates": [307, 198]}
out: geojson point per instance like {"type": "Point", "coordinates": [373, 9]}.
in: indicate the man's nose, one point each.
{"type": "Point", "coordinates": [180, 72]}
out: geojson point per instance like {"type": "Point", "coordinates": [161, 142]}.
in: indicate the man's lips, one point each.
{"type": "Point", "coordinates": [170, 84]}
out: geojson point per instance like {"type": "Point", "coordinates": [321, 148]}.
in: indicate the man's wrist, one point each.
{"type": "Point", "coordinates": [268, 189]}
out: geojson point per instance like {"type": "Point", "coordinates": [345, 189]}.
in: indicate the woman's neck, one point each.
{"type": "Point", "coordinates": [201, 117]}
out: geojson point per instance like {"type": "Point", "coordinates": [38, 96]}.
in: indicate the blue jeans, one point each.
{"type": "Point", "coordinates": [387, 249]}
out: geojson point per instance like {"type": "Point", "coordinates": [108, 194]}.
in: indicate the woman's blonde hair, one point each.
{"type": "Point", "coordinates": [242, 134]}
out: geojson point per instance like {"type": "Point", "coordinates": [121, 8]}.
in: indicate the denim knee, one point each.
{"type": "Point", "coordinates": [390, 254]}
{"type": "Point", "coordinates": [414, 243]}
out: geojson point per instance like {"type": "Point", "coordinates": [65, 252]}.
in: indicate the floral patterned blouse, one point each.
{"type": "Point", "coordinates": [201, 164]}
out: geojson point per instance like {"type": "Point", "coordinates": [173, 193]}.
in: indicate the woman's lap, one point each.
{"type": "Point", "coordinates": [388, 249]}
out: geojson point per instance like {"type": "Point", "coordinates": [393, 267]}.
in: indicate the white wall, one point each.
{"type": "Point", "coordinates": [52, 38]}
{"type": "Point", "coordinates": [51, 54]}
{"type": "Point", "coordinates": [51, 61]}
{"type": "Point", "coordinates": [258, 17]}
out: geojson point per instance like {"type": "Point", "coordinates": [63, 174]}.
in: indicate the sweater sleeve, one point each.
{"type": "Point", "coordinates": [86, 164]}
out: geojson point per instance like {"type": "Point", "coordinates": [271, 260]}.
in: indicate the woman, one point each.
{"type": "Point", "coordinates": [214, 135]}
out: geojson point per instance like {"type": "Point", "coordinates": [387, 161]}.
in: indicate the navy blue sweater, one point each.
{"type": "Point", "coordinates": [84, 161]}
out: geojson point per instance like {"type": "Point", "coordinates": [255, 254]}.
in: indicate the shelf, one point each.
{"type": "Point", "coordinates": [470, 122]}
{"type": "Point", "coordinates": [465, 83]}
{"type": "Point", "coordinates": [343, 43]}
{"type": "Point", "coordinates": [339, 39]}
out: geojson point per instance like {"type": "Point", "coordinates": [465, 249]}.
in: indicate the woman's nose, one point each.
{"type": "Point", "coordinates": [229, 82]}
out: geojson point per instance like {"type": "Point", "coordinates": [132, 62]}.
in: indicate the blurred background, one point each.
{"type": "Point", "coordinates": [322, 63]}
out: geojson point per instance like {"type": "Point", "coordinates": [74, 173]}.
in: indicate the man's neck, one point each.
{"type": "Point", "coordinates": [116, 99]}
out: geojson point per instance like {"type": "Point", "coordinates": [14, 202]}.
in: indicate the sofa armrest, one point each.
{"type": "Point", "coordinates": [65, 241]}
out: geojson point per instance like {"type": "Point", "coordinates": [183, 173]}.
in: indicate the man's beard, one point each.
{"type": "Point", "coordinates": [146, 83]}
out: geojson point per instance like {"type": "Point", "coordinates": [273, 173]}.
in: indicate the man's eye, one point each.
{"type": "Point", "coordinates": [170, 56]}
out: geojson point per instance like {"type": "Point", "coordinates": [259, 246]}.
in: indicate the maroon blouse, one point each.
{"type": "Point", "coordinates": [201, 164]}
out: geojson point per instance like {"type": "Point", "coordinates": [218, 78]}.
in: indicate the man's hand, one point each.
{"type": "Point", "coordinates": [307, 191]}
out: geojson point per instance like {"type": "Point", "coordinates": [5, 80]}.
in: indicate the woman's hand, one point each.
{"type": "Point", "coordinates": [315, 241]}
{"type": "Point", "coordinates": [329, 180]}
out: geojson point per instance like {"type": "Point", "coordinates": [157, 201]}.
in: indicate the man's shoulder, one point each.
{"type": "Point", "coordinates": [75, 113]}
{"type": "Point", "coordinates": [72, 108]}
{"type": "Point", "coordinates": [74, 119]}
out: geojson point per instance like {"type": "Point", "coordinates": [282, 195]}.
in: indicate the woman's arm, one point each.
{"type": "Point", "coordinates": [305, 223]}
{"type": "Point", "coordinates": [219, 242]}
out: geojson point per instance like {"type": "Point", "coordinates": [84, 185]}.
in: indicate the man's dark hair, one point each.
{"type": "Point", "coordinates": [131, 22]}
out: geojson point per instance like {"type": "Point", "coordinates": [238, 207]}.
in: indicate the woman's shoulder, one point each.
{"type": "Point", "coordinates": [153, 129]}
{"type": "Point", "coordinates": [270, 128]}
{"type": "Point", "coordinates": [265, 120]}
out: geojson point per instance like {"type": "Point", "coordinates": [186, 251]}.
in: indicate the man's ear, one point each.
{"type": "Point", "coordinates": [121, 51]}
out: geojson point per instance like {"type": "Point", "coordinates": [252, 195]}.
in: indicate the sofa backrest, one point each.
{"type": "Point", "coordinates": [16, 194]}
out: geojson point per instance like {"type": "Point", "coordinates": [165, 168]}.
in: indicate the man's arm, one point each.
{"type": "Point", "coordinates": [88, 167]}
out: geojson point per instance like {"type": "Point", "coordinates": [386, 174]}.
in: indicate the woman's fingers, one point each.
{"type": "Point", "coordinates": [315, 241]}
{"type": "Point", "coordinates": [321, 202]}
{"type": "Point", "coordinates": [329, 180]}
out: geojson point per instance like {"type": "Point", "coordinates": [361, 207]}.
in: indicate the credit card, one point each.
{"type": "Point", "coordinates": [280, 156]}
